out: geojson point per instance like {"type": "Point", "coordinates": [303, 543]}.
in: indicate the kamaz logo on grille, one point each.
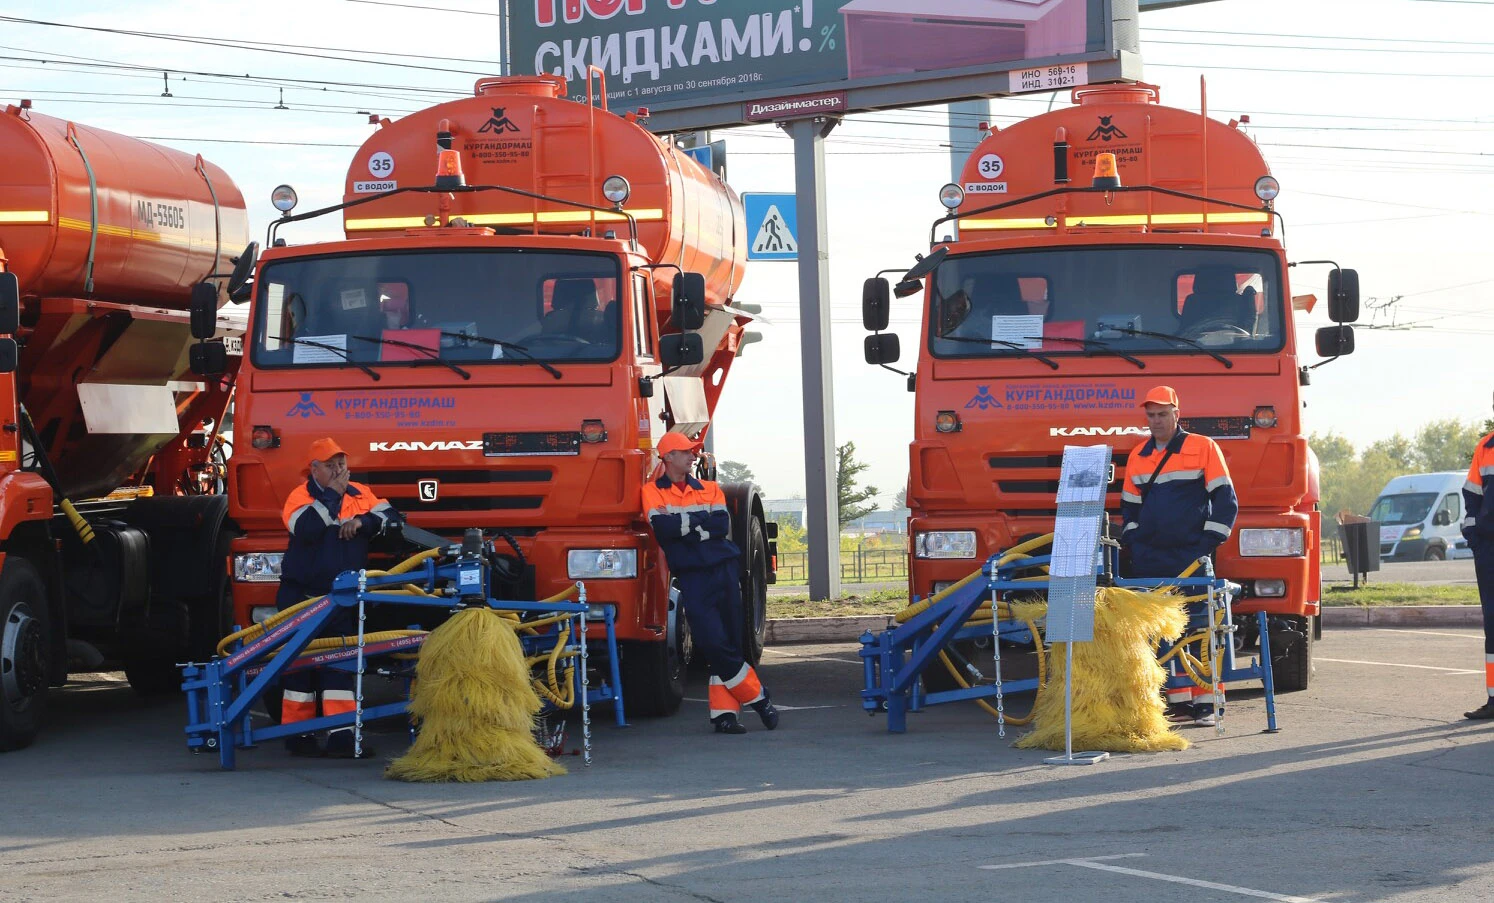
{"type": "Point", "coordinates": [437, 445]}
{"type": "Point", "coordinates": [428, 489]}
{"type": "Point", "coordinates": [1098, 431]}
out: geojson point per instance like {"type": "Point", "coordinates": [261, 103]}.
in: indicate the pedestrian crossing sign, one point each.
{"type": "Point", "coordinates": [772, 221]}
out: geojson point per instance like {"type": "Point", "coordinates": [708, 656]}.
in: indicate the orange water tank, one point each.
{"type": "Point", "coordinates": [154, 221]}
{"type": "Point", "coordinates": [520, 132]}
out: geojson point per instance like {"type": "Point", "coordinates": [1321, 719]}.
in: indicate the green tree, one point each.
{"type": "Point", "coordinates": [1446, 445]}
{"type": "Point", "coordinates": [851, 500]}
{"type": "Point", "coordinates": [1397, 450]}
{"type": "Point", "coordinates": [734, 472]}
{"type": "Point", "coordinates": [901, 500]}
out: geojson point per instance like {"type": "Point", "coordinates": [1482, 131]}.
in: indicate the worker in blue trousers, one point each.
{"type": "Point", "coordinates": [690, 520]}
{"type": "Point", "coordinates": [1478, 529]}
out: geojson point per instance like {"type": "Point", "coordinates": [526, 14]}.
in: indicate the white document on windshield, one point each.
{"type": "Point", "coordinates": [1023, 331]}
{"type": "Point", "coordinates": [335, 352]}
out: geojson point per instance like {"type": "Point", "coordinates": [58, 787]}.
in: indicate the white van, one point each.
{"type": "Point", "coordinates": [1421, 516]}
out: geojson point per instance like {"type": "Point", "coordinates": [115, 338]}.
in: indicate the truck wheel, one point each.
{"type": "Point", "coordinates": [1435, 553]}
{"type": "Point", "coordinates": [152, 674]}
{"type": "Point", "coordinates": [755, 594]}
{"type": "Point", "coordinates": [653, 678]}
{"type": "Point", "coordinates": [210, 618]}
{"type": "Point", "coordinates": [1291, 654]}
{"type": "Point", "coordinates": [25, 629]}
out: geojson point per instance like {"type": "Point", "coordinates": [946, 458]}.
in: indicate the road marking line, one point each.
{"type": "Point", "coordinates": [1177, 879]}
{"type": "Point", "coordinates": [1463, 636]}
{"type": "Point", "coordinates": [1351, 661]}
{"type": "Point", "coordinates": [1023, 865]}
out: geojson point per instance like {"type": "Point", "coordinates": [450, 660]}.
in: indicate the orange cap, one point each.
{"type": "Point", "coordinates": [325, 449]}
{"type": "Point", "coordinates": [1161, 395]}
{"type": "Point", "coordinates": [673, 442]}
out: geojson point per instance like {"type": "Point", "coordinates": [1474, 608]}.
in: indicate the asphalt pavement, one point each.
{"type": "Point", "coordinates": [1375, 789]}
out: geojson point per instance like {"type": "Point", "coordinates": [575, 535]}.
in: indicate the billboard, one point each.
{"type": "Point", "coordinates": [702, 63]}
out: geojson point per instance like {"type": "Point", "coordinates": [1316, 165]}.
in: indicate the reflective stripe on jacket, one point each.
{"type": "Point", "coordinates": [690, 521]}
{"type": "Point", "coordinates": [1190, 507]}
{"type": "Point", "coordinates": [1478, 494]}
{"type": "Point", "coordinates": [316, 554]}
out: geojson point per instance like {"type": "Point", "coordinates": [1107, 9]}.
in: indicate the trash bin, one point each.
{"type": "Point", "coordinates": [1361, 539]}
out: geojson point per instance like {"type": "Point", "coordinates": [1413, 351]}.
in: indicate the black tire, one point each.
{"type": "Point", "coordinates": [754, 593]}
{"type": "Point", "coordinates": [210, 617]}
{"type": "Point", "coordinates": [653, 678]}
{"type": "Point", "coordinates": [25, 637]}
{"type": "Point", "coordinates": [153, 675]}
{"type": "Point", "coordinates": [1435, 553]}
{"type": "Point", "coordinates": [1291, 654]}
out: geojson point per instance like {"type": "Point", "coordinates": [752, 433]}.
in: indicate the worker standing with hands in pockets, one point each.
{"type": "Point", "coordinates": [690, 520]}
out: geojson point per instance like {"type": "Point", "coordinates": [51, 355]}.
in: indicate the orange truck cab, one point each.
{"type": "Point", "coordinates": [1104, 249]}
{"type": "Point", "coordinates": [531, 292]}
{"type": "Point", "coordinates": [110, 459]}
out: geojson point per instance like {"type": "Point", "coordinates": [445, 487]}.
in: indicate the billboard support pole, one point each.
{"type": "Point", "coordinates": [820, 492]}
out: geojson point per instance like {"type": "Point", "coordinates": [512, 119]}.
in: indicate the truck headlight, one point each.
{"type": "Point", "coordinates": [600, 564]}
{"type": "Point", "coordinates": [945, 544]}
{"type": "Point", "coordinates": [1413, 533]}
{"type": "Point", "coordinates": [1276, 542]}
{"type": "Point", "coordinates": [261, 613]}
{"type": "Point", "coordinates": [257, 567]}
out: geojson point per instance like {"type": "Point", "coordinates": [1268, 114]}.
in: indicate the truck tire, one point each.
{"type": "Point", "coordinates": [25, 636]}
{"type": "Point", "coordinates": [210, 616]}
{"type": "Point", "coordinates": [1435, 553]}
{"type": "Point", "coordinates": [754, 593]}
{"type": "Point", "coordinates": [1291, 654]}
{"type": "Point", "coordinates": [653, 678]}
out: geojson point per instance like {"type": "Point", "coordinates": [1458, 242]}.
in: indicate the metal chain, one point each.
{"type": "Point", "coordinates": [585, 682]}
{"type": "Point", "coordinates": [358, 678]}
{"type": "Point", "coordinates": [996, 656]}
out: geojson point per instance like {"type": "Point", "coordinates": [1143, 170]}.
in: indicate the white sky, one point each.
{"type": "Point", "coordinates": [1374, 114]}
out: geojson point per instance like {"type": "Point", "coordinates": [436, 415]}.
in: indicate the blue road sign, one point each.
{"type": "Point", "coordinates": [702, 155]}
{"type": "Point", "coordinates": [772, 226]}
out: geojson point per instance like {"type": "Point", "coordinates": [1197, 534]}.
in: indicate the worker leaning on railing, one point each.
{"type": "Point", "coordinates": [331, 520]}
{"type": "Point", "coordinates": [1178, 504]}
{"type": "Point", "coordinates": [1478, 529]}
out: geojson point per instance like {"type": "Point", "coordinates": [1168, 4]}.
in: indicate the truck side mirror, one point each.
{"type": "Point", "coordinates": [1343, 296]}
{"type": "Point", "coordinates": [243, 265]}
{"type": "Point", "coordinates": [876, 303]}
{"type": "Point", "coordinates": [10, 356]}
{"type": "Point", "coordinates": [204, 310]}
{"type": "Point", "coordinates": [10, 304]}
{"type": "Point", "coordinates": [883, 348]}
{"type": "Point", "coordinates": [1335, 341]}
{"type": "Point", "coordinates": [681, 349]}
{"type": "Point", "coordinates": [689, 301]}
{"type": "Point", "coordinates": [208, 359]}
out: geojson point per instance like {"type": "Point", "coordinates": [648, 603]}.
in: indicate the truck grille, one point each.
{"type": "Point", "coordinates": [401, 488]}
{"type": "Point", "coordinates": [1032, 481]}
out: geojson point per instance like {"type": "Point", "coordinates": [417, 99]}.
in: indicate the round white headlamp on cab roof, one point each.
{"type": "Point", "coordinates": [1267, 188]}
{"type": "Point", "coordinates": [284, 198]}
{"type": "Point", "coordinates": [951, 196]}
{"type": "Point", "coordinates": [616, 189]}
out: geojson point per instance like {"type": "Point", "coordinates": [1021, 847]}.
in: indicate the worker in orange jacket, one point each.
{"type": "Point", "coordinates": [690, 520]}
{"type": "Point", "coordinates": [331, 520]}
{"type": "Point", "coordinates": [1478, 529]}
{"type": "Point", "coordinates": [1178, 504]}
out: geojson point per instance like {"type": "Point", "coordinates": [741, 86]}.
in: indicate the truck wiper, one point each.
{"type": "Point", "coordinates": [509, 346]}
{"type": "Point", "coordinates": [1094, 343]}
{"type": "Point", "coordinates": [329, 347]}
{"type": "Point", "coordinates": [1126, 330]}
{"type": "Point", "coordinates": [1002, 342]}
{"type": "Point", "coordinates": [430, 353]}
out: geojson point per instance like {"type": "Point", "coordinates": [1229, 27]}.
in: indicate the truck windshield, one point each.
{"type": "Point", "coordinates": [420, 308]}
{"type": "Point", "coordinates": [1135, 300]}
{"type": "Point", "coordinates": [1406, 508]}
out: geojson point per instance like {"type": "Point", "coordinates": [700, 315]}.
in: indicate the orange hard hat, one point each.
{"type": "Point", "coordinates": [325, 449]}
{"type": "Point", "coordinates": [1161, 395]}
{"type": "Point", "coordinates": [673, 442]}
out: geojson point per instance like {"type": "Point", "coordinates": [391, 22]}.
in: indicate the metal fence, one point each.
{"type": "Point", "coordinates": [856, 566]}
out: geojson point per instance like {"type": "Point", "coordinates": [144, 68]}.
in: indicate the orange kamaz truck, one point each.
{"type": "Point", "coordinates": [110, 494]}
{"type": "Point", "coordinates": [1103, 249]}
{"type": "Point", "coordinates": [531, 292]}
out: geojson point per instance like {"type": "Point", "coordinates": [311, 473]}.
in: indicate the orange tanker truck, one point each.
{"type": "Point", "coordinates": [109, 531]}
{"type": "Point", "coordinates": [1104, 249]}
{"type": "Point", "coordinates": [532, 291]}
